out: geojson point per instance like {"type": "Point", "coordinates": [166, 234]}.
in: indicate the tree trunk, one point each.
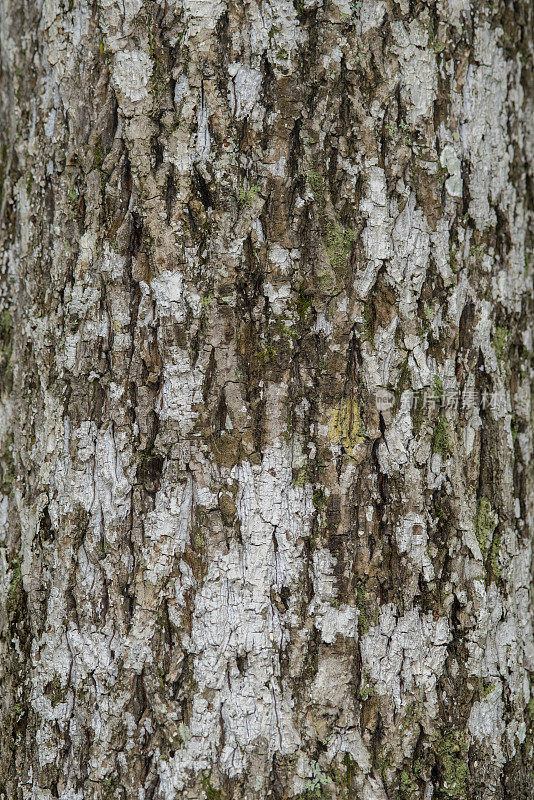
{"type": "Point", "coordinates": [266, 399]}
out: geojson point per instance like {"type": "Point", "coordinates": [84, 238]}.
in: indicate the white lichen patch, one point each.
{"type": "Point", "coordinates": [417, 64]}
{"type": "Point", "coordinates": [404, 655]}
{"type": "Point", "coordinates": [412, 539]}
{"type": "Point", "coordinates": [374, 207]}
{"type": "Point", "coordinates": [237, 631]}
{"type": "Point", "coordinates": [333, 622]}
{"type": "Point", "coordinates": [450, 161]}
{"type": "Point", "coordinates": [283, 31]}
{"type": "Point", "coordinates": [394, 452]}
{"type": "Point", "coordinates": [243, 89]}
{"type": "Point", "coordinates": [168, 294]}
{"type": "Point", "coordinates": [331, 685]}
{"type": "Point", "coordinates": [167, 529]}
{"type": "Point", "coordinates": [330, 618]}
{"type": "Point", "coordinates": [350, 742]}
{"type": "Point", "coordinates": [131, 74]}
{"type": "Point", "coordinates": [181, 393]}
{"type": "Point", "coordinates": [455, 10]}
{"type": "Point", "coordinates": [202, 16]}
{"type": "Point", "coordinates": [370, 14]}
{"type": "Point", "coordinates": [499, 645]}
{"type": "Point", "coordinates": [410, 255]}
{"type": "Point", "coordinates": [486, 721]}
{"type": "Point", "coordinates": [99, 483]}
{"type": "Point", "coordinates": [482, 128]}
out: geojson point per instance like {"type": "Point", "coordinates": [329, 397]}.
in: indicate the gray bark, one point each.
{"type": "Point", "coordinates": [266, 399]}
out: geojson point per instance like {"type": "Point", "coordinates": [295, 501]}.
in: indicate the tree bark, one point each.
{"type": "Point", "coordinates": [266, 399]}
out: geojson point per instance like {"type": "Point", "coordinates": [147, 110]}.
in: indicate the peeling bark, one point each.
{"type": "Point", "coordinates": [266, 399]}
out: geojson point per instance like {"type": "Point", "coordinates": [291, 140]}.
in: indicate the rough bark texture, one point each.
{"type": "Point", "coordinates": [228, 230]}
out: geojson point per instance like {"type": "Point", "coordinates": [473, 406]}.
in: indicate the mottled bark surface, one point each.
{"type": "Point", "coordinates": [266, 399]}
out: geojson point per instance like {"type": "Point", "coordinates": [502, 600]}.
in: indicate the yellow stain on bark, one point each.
{"type": "Point", "coordinates": [345, 426]}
